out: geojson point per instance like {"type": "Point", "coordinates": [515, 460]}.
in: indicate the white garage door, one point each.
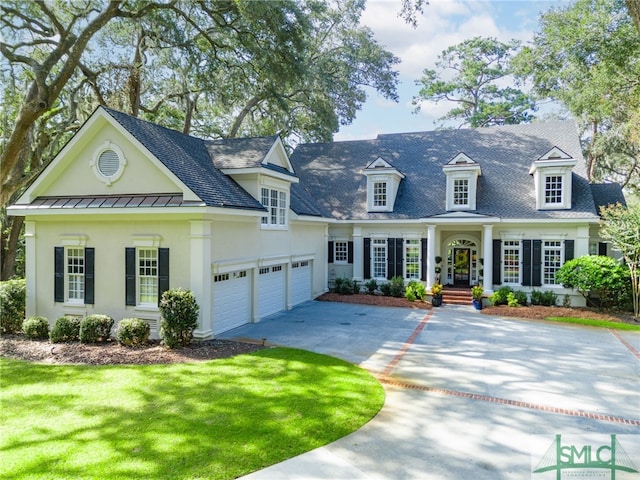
{"type": "Point", "coordinates": [300, 282]}
{"type": "Point", "coordinates": [231, 300]}
{"type": "Point", "coordinates": [271, 290]}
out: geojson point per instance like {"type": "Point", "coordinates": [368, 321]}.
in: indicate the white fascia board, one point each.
{"type": "Point", "coordinates": [278, 145]}
{"type": "Point", "coordinates": [545, 221]}
{"type": "Point", "coordinates": [259, 171]}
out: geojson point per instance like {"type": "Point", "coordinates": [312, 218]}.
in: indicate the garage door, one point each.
{"type": "Point", "coordinates": [271, 290]}
{"type": "Point", "coordinates": [231, 300]}
{"type": "Point", "coordinates": [300, 282]}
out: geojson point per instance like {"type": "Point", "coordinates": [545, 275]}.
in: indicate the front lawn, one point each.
{"type": "Point", "coordinates": [213, 420]}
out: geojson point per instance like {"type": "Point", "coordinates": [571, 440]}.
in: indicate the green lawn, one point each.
{"type": "Point", "coordinates": [214, 420]}
{"type": "Point", "coordinates": [595, 323]}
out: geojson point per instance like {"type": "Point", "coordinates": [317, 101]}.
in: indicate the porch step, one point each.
{"type": "Point", "coordinates": [456, 296]}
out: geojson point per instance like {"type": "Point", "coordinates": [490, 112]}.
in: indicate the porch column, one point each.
{"type": "Point", "coordinates": [200, 267]}
{"type": "Point", "coordinates": [30, 268]}
{"type": "Point", "coordinates": [358, 255]}
{"type": "Point", "coordinates": [487, 254]}
{"type": "Point", "coordinates": [431, 255]}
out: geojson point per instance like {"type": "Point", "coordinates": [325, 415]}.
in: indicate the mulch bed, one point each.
{"type": "Point", "coordinates": [379, 300]}
{"type": "Point", "coordinates": [540, 313]}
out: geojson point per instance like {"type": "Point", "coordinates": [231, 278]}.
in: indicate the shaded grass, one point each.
{"type": "Point", "coordinates": [213, 420]}
{"type": "Point", "coordinates": [595, 323]}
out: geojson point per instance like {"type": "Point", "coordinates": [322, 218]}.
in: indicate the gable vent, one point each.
{"type": "Point", "coordinates": [108, 163]}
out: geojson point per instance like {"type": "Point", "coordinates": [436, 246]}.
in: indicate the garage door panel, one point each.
{"type": "Point", "coordinates": [300, 282]}
{"type": "Point", "coordinates": [271, 290]}
{"type": "Point", "coordinates": [231, 301]}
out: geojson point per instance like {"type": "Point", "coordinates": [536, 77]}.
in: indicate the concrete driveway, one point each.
{"type": "Point", "coordinates": [469, 396]}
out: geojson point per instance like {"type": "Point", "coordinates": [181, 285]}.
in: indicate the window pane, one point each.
{"type": "Point", "coordinates": [552, 261]}
{"type": "Point", "coordinates": [461, 192]}
{"type": "Point", "coordinates": [75, 273]}
{"type": "Point", "coordinates": [412, 259]}
{"type": "Point", "coordinates": [379, 258]}
{"type": "Point", "coordinates": [340, 252]}
{"type": "Point", "coordinates": [148, 275]}
{"type": "Point", "coordinates": [380, 194]}
{"type": "Point", "coordinates": [511, 261]}
{"type": "Point", "coordinates": [553, 189]}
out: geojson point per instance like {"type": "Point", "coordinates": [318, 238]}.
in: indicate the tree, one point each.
{"type": "Point", "coordinates": [621, 227]}
{"type": "Point", "coordinates": [587, 57]}
{"type": "Point", "coordinates": [634, 10]}
{"type": "Point", "coordinates": [469, 74]}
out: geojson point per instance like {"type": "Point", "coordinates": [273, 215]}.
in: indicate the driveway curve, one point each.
{"type": "Point", "coordinates": [468, 395]}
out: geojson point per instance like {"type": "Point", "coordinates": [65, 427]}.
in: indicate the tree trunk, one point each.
{"type": "Point", "coordinates": [10, 236]}
{"type": "Point", "coordinates": [237, 123]}
{"type": "Point", "coordinates": [592, 158]}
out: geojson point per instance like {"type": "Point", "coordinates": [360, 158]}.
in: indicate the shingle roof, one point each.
{"type": "Point", "coordinates": [240, 152]}
{"type": "Point", "coordinates": [605, 194]}
{"type": "Point", "coordinates": [188, 158]}
{"type": "Point", "coordinates": [332, 173]}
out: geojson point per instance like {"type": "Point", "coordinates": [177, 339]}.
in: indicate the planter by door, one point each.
{"type": "Point", "coordinates": [477, 304]}
{"type": "Point", "coordinates": [436, 301]}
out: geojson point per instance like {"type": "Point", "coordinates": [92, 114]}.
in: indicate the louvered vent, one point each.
{"type": "Point", "coordinates": [108, 163]}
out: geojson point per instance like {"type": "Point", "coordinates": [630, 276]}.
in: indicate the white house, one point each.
{"type": "Point", "coordinates": [128, 209]}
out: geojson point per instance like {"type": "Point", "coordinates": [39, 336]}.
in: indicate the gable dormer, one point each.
{"type": "Point", "coordinates": [552, 180]}
{"type": "Point", "coordinates": [383, 180]}
{"type": "Point", "coordinates": [462, 182]}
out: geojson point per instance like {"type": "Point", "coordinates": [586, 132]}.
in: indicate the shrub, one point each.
{"type": "Point", "coordinates": [476, 292]}
{"type": "Point", "coordinates": [95, 328]}
{"type": "Point", "coordinates": [521, 297]}
{"type": "Point", "coordinates": [132, 331]}
{"type": "Point", "coordinates": [371, 286]}
{"type": "Point", "coordinates": [36, 328]}
{"type": "Point", "coordinates": [512, 301]}
{"type": "Point", "coordinates": [602, 281]}
{"type": "Point", "coordinates": [397, 286]}
{"type": "Point", "coordinates": [547, 298]}
{"type": "Point", "coordinates": [65, 329]}
{"type": "Point", "coordinates": [179, 317]}
{"type": "Point", "coordinates": [415, 291]}
{"type": "Point", "coordinates": [345, 286]}
{"type": "Point", "coordinates": [385, 289]}
{"type": "Point", "coordinates": [12, 305]}
{"type": "Point", "coordinates": [500, 297]}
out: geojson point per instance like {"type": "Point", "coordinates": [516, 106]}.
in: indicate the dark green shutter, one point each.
{"type": "Point", "coordinates": [569, 247]}
{"type": "Point", "coordinates": [394, 257]}
{"type": "Point", "coordinates": [526, 263]}
{"type": "Point", "coordinates": [163, 271]}
{"type": "Point", "coordinates": [423, 273]}
{"type": "Point", "coordinates": [536, 263]}
{"type": "Point", "coordinates": [497, 262]}
{"type": "Point", "coordinates": [130, 276]}
{"type": "Point", "coordinates": [58, 281]}
{"type": "Point", "coordinates": [366, 261]}
{"type": "Point", "coordinates": [602, 249]}
{"type": "Point", "coordinates": [399, 257]}
{"type": "Point", "coordinates": [349, 252]}
{"type": "Point", "coordinates": [330, 253]}
{"type": "Point", "coordinates": [89, 277]}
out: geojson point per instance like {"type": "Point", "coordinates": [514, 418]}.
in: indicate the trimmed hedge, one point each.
{"type": "Point", "coordinates": [95, 328]}
{"type": "Point", "coordinates": [179, 317]}
{"type": "Point", "coordinates": [12, 302]}
{"type": "Point", "coordinates": [132, 331]}
{"type": "Point", "coordinates": [66, 329]}
{"type": "Point", "coordinates": [36, 328]}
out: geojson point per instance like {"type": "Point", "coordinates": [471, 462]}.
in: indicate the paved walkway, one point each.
{"type": "Point", "coordinates": [467, 395]}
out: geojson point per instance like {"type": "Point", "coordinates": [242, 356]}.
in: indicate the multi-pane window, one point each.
{"type": "Point", "coordinates": [461, 191]}
{"type": "Point", "coordinates": [380, 194]}
{"type": "Point", "coordinates": [75, 274]}
{"type": "Point", "coordinates": [551, 261]}
{"type": "Point", "coordinates": [341, 252]}
{"type": "Point", "coordinates": [276, 203]}
{"type": "Point", "coordinates": [553, 189]}
{"type": "Point", "coordinates": [412, 259]}
{"type": "Point", "coordinates": [148, 276]}
{"type": "Point", "coordinates": [379, 258]}
{"type": "Point", "coordinates": [511, 261]}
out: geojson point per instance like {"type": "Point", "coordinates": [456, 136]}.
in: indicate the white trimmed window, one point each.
{"type": "Point", "coordinates": [380, 194]}
{"type": "Point", "coordinates": [552, 260]}
{"type": "Point", "coordinates": [341, 252]}
{"type": "Point", "coordinates": [553, 189]}
{"type": "Point", "coordinates": [461, 192]}
{"type": "Point", "coordinates": [511, 261]}
{"type": "Point", "coordinates": [276, 203]}
{"type": "Point", "coordinates": [379, 258]}
{"type": "Point", "coordinates": [75, 274]}
{"type": "Point", "coordinates": [147, 276]}
{"type": "Point", "coordinates": [412, 259]}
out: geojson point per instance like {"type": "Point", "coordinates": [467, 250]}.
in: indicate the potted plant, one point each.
{"type": "Point", "coordinates": [436, 295]}
{"type": "Point", "coordinates": [438, 269]}
{"type": "Point", "coordinates": [476, 293]}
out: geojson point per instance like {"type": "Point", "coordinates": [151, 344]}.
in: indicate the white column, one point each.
{"type": "Point", "coordinates": [431, 255]}
{"type": "Point", "coordinates": [200, 243]}
{"type": "Point", "coordinates": [30, 268]}
{"type": "Point", "coordinates": [358, 254]}
{"type": "Point", "coordinates": [582, 242]}
{"type": "Point", "coordinates": [487, 249]}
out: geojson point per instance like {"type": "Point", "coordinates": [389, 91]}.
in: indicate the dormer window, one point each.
{"type": "Point", "coordinates": [462, 178]}
{"type": "Point", "coordinates": [383, 181]}
{"type": "Point", "coordinates": [552, 180]}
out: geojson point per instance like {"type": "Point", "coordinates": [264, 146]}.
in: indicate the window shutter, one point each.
{"type": "Point", "coordinates": [399, 257]}
{"type": "Point", "coordinates": [391, 257]}
{"type": "Point", "coordinates": [526, 263]}
{"type": "Point", "coordinates": [602, 248]}
{"type": "Point", "coordinates": [130, 276]}
{"type": "Point", "coordinates": [536, 263]}
{"type": "Point", "coordinates": [163, 271]}
{"type": "Point", "coordinates": [58, 282]}
{"type": "Point", "coordinates": [423, 273]}
{"type": "Point", "coordinates": [330, 254]}
{"type": "Point", "coordinates": [349, 252]}
{"type": "Point", "coordinates": [89, 277]}
{"type": "Point", "coordinates": [367, 259]}
{"type": "Point", "coordinates": [497, 252]}
{"type": "Point", "coordinates": [569, 247]}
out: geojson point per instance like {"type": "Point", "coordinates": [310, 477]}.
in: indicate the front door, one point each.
{"type": "Point", "coordinates": [461, 266]}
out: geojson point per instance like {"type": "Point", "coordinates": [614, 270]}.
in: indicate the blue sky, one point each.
{"type": "Point", "coordinates": [444, 23]}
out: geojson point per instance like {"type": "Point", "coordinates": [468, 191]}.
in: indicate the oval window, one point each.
{"type": "Point", "coordinates": [108, 163]}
